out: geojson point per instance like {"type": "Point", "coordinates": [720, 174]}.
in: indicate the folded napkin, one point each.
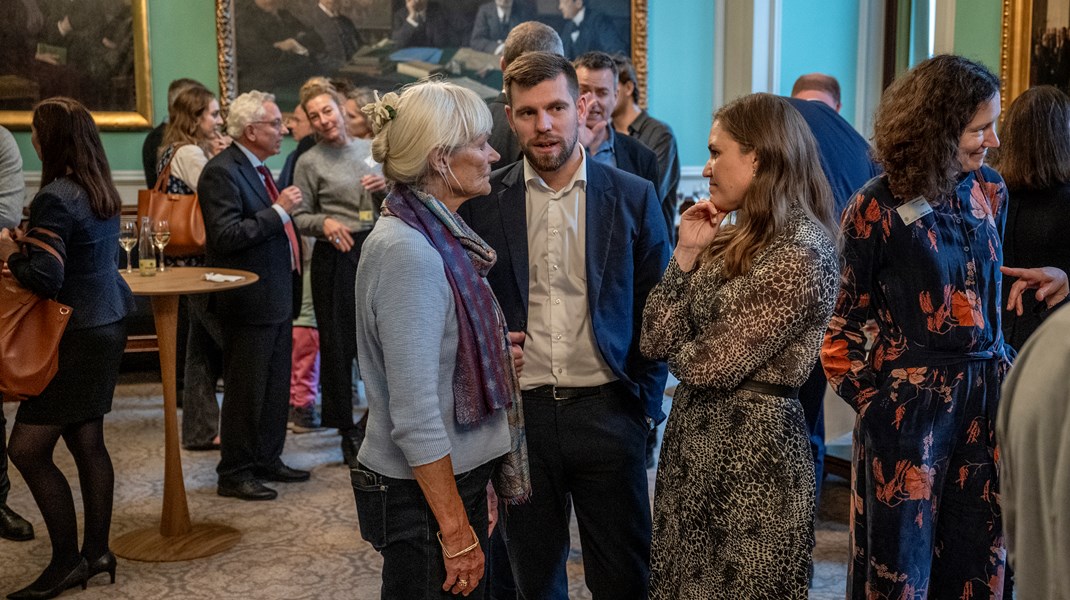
{"type": "Point", "coordinates": [219, 278]}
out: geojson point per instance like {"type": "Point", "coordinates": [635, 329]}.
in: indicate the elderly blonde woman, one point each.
{"type": "Point", "coordinates": [434, 355]}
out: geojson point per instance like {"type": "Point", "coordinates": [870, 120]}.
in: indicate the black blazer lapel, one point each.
{"type": "Point", "coordinates": [602, 200]}
{"type": "Point", "coordinates": [252, 178]}
{"type": "Point", "coordinates": [512, 209]}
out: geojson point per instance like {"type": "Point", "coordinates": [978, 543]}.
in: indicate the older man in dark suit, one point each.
{"type": "Point", "coordinates": [579, 246]}
{"type": "Point", "coordinates": [248, 227]}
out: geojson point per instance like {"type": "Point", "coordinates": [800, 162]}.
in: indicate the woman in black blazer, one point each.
{"type": "Point", "coordinates": [79, 204]}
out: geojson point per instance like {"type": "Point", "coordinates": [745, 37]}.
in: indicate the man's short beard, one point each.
{"type": "Point", "coordinates": [545, 164]}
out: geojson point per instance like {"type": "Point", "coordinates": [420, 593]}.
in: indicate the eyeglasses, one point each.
{"type": "Point", "coordinates": [276, 123]}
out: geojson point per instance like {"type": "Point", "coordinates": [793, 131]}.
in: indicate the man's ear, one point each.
{"type": "Point", "coordinates": [626, 90]}
{"type": "Point", "coordinates": [509, 117]}
{"type": "Point", "coordinates": [582, 107]}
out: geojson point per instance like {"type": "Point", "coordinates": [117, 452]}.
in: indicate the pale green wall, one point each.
{"type": "Point", "coordinates": [978, 30]}
{"type": "Point", "coordinates": [820, 36]}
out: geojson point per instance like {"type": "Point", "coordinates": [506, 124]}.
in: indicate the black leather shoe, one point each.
{"type": "Point", "coordinates": [284, 474]}
{"type": "Point", "coordinates": [105, 563]}
{"type": "Point", "coordinates": [249, 489]}
{"type": "Point", "coordinates": [78, 576]}
{"type": "Point", "coordinates": [13, 527]}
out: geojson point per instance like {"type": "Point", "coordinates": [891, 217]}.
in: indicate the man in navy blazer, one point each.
{"type": "Point", "coordinates": [247, 223]}
{"type": "Point", "coordinates": [579, 246]}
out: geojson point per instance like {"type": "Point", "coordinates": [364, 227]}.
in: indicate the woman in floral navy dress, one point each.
{"type": "Point", "coordinates": [921, 256]}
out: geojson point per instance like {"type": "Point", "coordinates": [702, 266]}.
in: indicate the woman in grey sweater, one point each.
{"type": "Point", "coordinates": [438, 368]}
{"type": "Point", "coordinates": [337, 178]}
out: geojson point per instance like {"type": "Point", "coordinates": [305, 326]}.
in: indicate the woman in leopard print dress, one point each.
{"type": "Point", "coordinates": [739, 316]}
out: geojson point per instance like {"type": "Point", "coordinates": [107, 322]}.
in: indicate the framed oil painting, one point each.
{"type": "Point", "coordinates": [93, 50]}
{"type": "Point", "coordinates": [1036, 46]}
{"type": "Point", "coordinates": [275, 45]}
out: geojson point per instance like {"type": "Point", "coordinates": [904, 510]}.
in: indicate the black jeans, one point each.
{"type": "Point", "coordinates": [397, 521]}
{"type": "Point", "coordinates": [592, 452]}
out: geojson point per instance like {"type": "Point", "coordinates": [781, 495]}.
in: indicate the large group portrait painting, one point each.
{"type": "Point", "coordinates": [92, 50]}
{"type": "Point", "coordinates": [383, 44]}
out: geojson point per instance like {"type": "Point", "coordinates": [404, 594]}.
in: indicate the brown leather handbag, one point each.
{"type": "Point", "coordinates": [30, 330]}
{"type": "Point", "coordinates": [182, 212]}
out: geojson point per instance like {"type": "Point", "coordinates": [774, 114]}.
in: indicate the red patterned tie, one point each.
{"type": "Point", "coordinates": [291, 234]}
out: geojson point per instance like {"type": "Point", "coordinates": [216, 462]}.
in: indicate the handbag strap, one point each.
{"type": "Point", "coordinates": [26, 238]}
{"type": "Point", "coordinates": [165, 175]}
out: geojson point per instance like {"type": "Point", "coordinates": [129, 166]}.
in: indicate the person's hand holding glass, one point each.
{"type": "Point", "coordinates": [128, 239]}
{"type": "Point", "coordinates": [161, 235]}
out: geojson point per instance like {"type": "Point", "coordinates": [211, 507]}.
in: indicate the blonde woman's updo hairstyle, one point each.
{"type": "Point", "coordinates": [788, 173]}
{"type": "Point", "coordinates": [428, 115]}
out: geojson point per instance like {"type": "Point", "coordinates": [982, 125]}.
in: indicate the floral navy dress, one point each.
{"type": "Point", "coordinates": [925, 516]}
{"type": "Point", "coordinates": [734, 502]}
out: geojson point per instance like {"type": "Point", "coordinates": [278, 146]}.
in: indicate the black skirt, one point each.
{"type": "Point", "coordinates": [85, 382]}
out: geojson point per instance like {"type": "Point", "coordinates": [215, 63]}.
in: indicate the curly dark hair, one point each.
{"type": "Point", "coordinates": [920, 120]}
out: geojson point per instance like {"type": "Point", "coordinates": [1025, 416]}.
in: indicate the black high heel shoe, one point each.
{"type": "Point", "coordinates": [105, 563]}
{"type": "Point", "coordinates": [78, 576]}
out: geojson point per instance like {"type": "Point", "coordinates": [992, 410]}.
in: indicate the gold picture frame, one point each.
{"type": "Point", "coordinates": [139, 118]}
{"type": "Point", "coordinates": [1034, 49]}
{"type": "Point", "coordinates": [228, 59]}
{"type": "Point", "coordinates": [1015, 49]}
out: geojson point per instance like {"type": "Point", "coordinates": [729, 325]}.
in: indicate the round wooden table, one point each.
{"type": "Point", "coordinates": [176, 538]}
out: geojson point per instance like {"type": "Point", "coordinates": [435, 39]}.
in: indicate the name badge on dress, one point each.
{"type": "Point", "coordinates": [914, 210]}
{"type": "Point", "coordinates": [365, 216]}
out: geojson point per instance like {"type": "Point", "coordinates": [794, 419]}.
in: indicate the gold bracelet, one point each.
{"type": "Point", "coordinates": [446, 552]}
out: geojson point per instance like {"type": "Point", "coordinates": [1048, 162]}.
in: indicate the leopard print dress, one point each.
{"type": "Point", "coordinates": [734, 501]}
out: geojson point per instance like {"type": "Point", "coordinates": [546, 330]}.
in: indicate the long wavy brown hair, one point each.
{"type": "Point", "coordinates": [182, 121]}
{"type": "Point", "coordinates": [1034, 152]}
{"type": "Point", "coordinates": [920, 120]}
{"type": "Point", "coordinates": [788, 173]}
{"type": "Point", "coordinates": [69, 145]}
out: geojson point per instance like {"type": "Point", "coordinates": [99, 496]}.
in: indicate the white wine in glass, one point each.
{"type": "Point", "coordinates": [161, 235]}
{"type": "Point", "coordinates": [128, 239]}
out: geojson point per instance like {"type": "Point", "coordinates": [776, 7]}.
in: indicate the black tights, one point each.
{"type": "Point", "coordinates": [31, 448]}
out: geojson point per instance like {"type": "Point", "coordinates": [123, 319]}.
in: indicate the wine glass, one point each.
{"type": "Point", "coordinates": [128, 239]}
{"type": "Point", "coordinates": [161, 235]}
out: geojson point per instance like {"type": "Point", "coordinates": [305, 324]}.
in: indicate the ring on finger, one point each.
{"type": "Point", "coordinates": [462, 583]}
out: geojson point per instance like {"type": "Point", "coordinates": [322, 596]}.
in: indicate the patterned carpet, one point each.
{"type": "Point", "coordinates": [303, 545]}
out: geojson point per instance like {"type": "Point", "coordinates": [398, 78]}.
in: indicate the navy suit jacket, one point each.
{"type": "Point", "coordinates": [635, 158]}
{"type": "Point", "coordinates": [626, 252]}
{"type": "Point", "coordinates": [244, 232]}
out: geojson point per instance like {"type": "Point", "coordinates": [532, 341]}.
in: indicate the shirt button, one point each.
{"type": "Point", "coordinates": [553, 231]}
{"type": "Point", "coordinates": [557, 337]}
{"type": "Point", "coordinates": [557, 301]}
{"type": "Point", "coordinates": [560, 370]}
{"type": "Point", "coordinates": [553, 267]}
{"type": "Point", "coordinates": [966, 249]}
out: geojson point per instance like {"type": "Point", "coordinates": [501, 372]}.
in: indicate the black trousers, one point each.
{"type": "Point", "coordinates": [252, 428]}
{"type": "Point", "coordinates": [334, 275]}
{"type": "Point", "coordinates": [592, 452]}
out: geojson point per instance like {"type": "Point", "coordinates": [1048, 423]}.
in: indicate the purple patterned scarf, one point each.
{"type": "Point", "coordinates": [484, 380]}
